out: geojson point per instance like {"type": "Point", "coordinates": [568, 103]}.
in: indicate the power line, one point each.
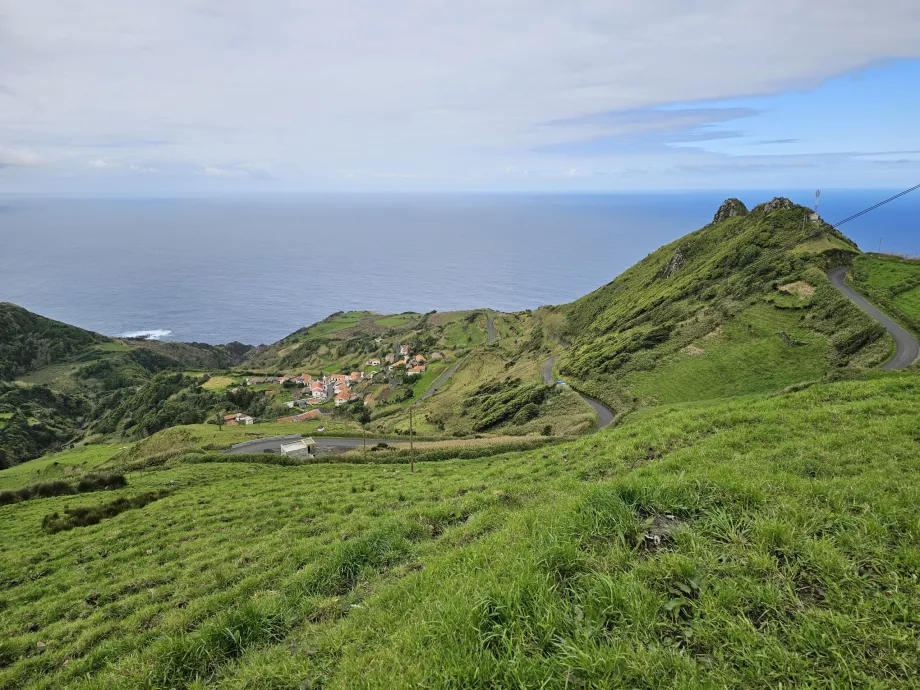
{"type": "Point", "coordinates": [872, 208]}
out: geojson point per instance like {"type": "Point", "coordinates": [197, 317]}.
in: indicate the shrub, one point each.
{"type": "Point", "coordinates": [91, 482]}
{"type": "Point", "coordinates": [91, 515]}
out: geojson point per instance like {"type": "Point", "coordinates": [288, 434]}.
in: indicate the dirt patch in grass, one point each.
{"type": "Point", "coordinates": [799, 288]}
{"type": "Point", "coordinates": [693, 350]}
{"type": "Point", "coordinates": [713, 334]}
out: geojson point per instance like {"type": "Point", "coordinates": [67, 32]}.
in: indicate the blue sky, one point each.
{"type": "Point", "coordinates": [208, 96]}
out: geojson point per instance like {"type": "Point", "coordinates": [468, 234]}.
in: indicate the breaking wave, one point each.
{"type": "Point", "coordinates": [150, 334]}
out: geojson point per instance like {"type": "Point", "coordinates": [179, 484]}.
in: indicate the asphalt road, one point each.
{"type": "Point", "coordinates": [907, 347]}
{"type": "Point", "coordinates": [491, 328]}
{"type": "Point", "coordinates": [438, 382]}
{"type": "Point", "coordinates": [604, 413]}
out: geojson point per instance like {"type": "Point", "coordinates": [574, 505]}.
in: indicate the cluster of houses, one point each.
{"type": "Point", "coordinates": [340, 385]}
{"type": "Point", "coordinates": [415, 366]}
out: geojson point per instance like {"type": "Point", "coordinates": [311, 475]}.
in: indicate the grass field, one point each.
{"type": "Point", "coordinates": [745, 356]}
{"type": "Point", "coordinates": [397, 320]}
{"type": "Point", "coordinates": [893, 283]}
{"type": "Point", "coordinates": [59, 465]}
{"type": "Point", "coordinates": [218, 383]}
{"type": "Point", "coordinates": [764, 543]}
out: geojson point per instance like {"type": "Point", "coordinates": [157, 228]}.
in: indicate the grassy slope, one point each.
{"type": "Point", "coordinates": [893, 283]}
{"type": "Point", "coordinates": [59, 465]}
{"type": "Point", "coordinates": [756, 542]}
{"type": "Point", "coordinates": [726, 276]}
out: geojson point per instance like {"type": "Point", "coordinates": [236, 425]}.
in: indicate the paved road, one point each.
{"type": "Point", "coordinates": [325, 445]}
{"type": "Point", "coordinates": [491, 328]}
{"type": "Point", "coordinates": [438, 383]}
{"type": "Point", "coordinates": [907, 347]}
{"type": "Point", "coordinates": [604, 413]}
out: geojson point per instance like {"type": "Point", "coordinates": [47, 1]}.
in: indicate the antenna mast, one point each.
{"type": "Point", "coordinates": [817, 196]}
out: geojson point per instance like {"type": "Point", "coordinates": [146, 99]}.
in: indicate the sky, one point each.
{"type": "Point", "coordinates": [266, 96]}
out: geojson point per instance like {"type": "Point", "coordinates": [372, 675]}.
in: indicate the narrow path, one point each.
{"type": "Point", "coordinates": [440, 381]}
{"type": "Point", "coordinates": [604, 413]}
{"type": "Point", "coordinates": [907, 347]}
{"type": "Point", "coordinates": [492, 328]}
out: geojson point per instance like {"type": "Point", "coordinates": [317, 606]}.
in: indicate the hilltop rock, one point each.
{"type": "Point", "coordinates": [730, 208]}
{"type": "Point", "coordinates": [777, 203]}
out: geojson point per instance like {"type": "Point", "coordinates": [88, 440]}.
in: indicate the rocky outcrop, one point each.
{"type": "Point", "coordinates": [777, 203]}
{"type": "Point", "coordinates": [675, 263]}
{"type": "Point", "coordinates": [730, 208]}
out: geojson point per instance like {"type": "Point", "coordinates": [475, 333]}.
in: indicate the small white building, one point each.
{"type": "Point", "coordinates": [305, 446]}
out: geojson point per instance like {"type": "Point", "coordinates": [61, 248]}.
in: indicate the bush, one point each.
{"type": "Point", "coordinates": [91, 515]}
{"type": "Point", "coordinates": [91, 482]}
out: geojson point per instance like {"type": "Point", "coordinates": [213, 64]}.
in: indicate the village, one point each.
{"type": "Point", "coordinates": [339, 389]}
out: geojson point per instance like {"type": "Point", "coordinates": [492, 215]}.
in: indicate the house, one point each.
{"type": "Point", "coordinates": [306, 416]}
{"type": "Point", "coordinates": [238, 418]}
{"type": "Point", "coordinates": [373, 362]}
{"type": "Point", "coordinates": [389, 358]}
{"type": "Point", "coordinates": [303, 447]}
{"type": "Point", "coordinates": [419, 359]}
{"type": "Point", "coordinates": [356, 376]}
{"type": "Point", "coordinates": [303, 402]}
{"type": "Point", "coordinates": [303, 379]}
{"type": "Point", "coordinates": [400, 363]}
{"type": "Point", "coordinates": [341, 398]}
{"type": "Point", "coordinates": [340, 379]}
{"type": "Point", "coordinates": [416, 371]}
{"type": "Point", "coordinates": [256, 380]}
{"type": "Point", "coordinates": [281, 379]}
{"type": "Point", "coordinates": [318, 390]}
{"type": "Point", "coordinates": [404, 350]}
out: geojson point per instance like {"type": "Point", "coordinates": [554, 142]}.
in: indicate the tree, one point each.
{"type": "Point", "coordinates": [219, 420]}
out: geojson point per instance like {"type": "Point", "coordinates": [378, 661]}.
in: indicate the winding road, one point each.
{"type": "Point", "coordinates": [908, 350]}
{"type": "Point", "coordinates": [442, 379]}
{"type": "Point", "coordinates": [604, 413]}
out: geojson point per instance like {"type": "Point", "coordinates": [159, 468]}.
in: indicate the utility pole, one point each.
{"type": "Point", "coordinates": [880, 244]}
{"type": "Point", "coordinates": [411, 443]}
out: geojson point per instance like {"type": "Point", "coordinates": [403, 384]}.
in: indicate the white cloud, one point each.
{"type": "Point", "coordinates": [18, 157]}
{"type": "Point", "coordinates": [444, 90]}
{"type": "Point", "coordinates": [215, 171]}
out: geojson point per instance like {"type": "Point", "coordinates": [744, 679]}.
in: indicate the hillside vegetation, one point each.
{"type": "Point", "coordinates": [767, 541]}
{"type": "Point", "coordinates": [742, 305]}
{"type": "Point", "coordinates": [59, 383]}
{"type": "Point", "coordinates": [893, 283]}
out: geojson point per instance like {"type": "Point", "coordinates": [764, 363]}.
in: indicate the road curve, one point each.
{"type": "Point", "coordinates": [604, 413]}
{"type": "Point", "coordinates": [908, 350]}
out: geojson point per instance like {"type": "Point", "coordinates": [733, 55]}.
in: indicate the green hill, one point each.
{"type": "Point", "coordinates": [742, 305]}
{"type": "Point", "coordinates": [60, 382]}
{"type": "Point", "coordinates": [29, 341]}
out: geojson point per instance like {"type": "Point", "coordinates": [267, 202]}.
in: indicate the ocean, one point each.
{"type": "Point", "coordinates": [255, 269]}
